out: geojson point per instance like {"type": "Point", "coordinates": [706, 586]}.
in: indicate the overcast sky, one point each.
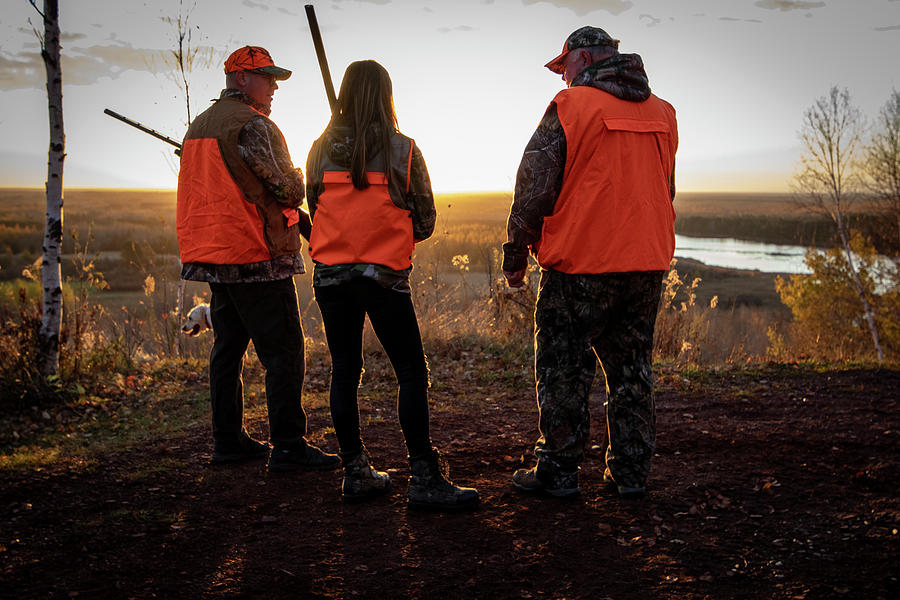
{"type": "Point", "coordinates": [469, 82]}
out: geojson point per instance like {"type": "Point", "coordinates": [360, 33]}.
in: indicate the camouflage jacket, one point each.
{"type": "Point", "coordinates": [338, 143]}
{"type": "Point", "coordinates": [540, 176]}
{"type": "Point", "coordinates": [262, 147]}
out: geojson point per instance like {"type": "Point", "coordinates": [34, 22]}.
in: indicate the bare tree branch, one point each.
{"type": "Point", "coordinates": [34, 4]}
{"type": "Point", "coordinates": [882, 165]}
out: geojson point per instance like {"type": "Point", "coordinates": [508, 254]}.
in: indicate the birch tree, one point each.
{"type": "Point", "coordinates": [828, 179]}
{"type": "Point", "coordinates": [882, 164]}
{"type": "Point", "coordinates": [51, 281]}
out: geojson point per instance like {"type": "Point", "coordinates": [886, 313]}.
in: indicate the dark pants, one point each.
{"type": "Point", "coordinates": [344, 308]}
{"type": "Point", "coordinates": [578, 320]}
{"type": "Point", "coordinates": [266, 313]}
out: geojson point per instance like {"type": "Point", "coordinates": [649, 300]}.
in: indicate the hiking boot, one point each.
{"type": "Point", "coordinates": [625, 492]}
{"type": "Point", "coordinates": [361, 481]}
{"type": "Point", "coordinates": [560, 484]}
{"type": "Point", "coordinates": [430, 486]}
{"type": "Point", "coordinates": [302, 455]}
{"type": "Point", "coordinates": [246, 448]}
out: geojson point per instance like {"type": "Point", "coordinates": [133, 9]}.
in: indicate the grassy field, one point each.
{"type": "Point", "coordinates": [128, 236]}
{"type": "Point", "coordinates": [132, 233]}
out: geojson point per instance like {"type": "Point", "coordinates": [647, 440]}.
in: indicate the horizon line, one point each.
{"type": "Point", "coordinates": [80, 188]}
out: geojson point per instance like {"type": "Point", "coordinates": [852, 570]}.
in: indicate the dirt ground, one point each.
{"type": "Point", "coordinates": [779, 483]}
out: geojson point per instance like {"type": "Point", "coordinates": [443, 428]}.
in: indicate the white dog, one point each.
{"type": "Point", "coordinates": [197, 320]}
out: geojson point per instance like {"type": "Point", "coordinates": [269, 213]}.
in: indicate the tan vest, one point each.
{"type": "Point", "coordinates": [225, 215]}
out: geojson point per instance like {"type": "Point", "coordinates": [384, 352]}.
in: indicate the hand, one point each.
{"type": "Point", "coordinates": [515, 279]}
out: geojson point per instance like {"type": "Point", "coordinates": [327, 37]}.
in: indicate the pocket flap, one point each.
{"type": "Point", "coordinates": [636, 125]}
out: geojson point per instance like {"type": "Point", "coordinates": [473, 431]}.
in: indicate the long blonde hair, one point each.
{"type": "Point", "coordinates": [366, 97]}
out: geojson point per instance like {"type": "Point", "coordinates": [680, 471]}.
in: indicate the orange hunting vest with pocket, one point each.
{"type": "Point", "coordinates": [363, 226]}
{"type": "Point", "coordinates": [614, 213]}
{"type": "Point", "coordinates": [225, 215]}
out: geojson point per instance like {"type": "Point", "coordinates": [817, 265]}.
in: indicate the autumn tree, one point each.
{"type": "Point", "coordinates": [51, 277]}
{"type": "Point", "coordinates": [828, 182]}
{"type": "Point", "coordinates": [825, 309]}
{"type": "Point", "coordinates": [882, 161]}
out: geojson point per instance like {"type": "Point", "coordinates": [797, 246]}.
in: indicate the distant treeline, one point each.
{"type": "Point", "coordinates": [798, 230]}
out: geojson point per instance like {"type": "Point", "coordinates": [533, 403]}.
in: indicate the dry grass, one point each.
{"type": "Point", "coordinates": [460, 297]}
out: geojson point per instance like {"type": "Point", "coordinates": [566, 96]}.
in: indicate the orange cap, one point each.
{"type": "Point", "coordinates": [254, 58]}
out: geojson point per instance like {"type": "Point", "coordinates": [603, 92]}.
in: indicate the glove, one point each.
{"type": "Point", "coordinates": [515, 279]}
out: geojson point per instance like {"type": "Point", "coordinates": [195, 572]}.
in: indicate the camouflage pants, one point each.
{"type": "Point", "coordinates": [578, 320]}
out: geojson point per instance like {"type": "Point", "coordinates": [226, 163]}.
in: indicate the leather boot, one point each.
{"type": "Point", "coordinates": [430, 486]}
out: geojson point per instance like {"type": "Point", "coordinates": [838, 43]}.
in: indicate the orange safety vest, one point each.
{"type": "Point", "coordinates": [225, 215]}
{"type": "Point", "coordinates": [364, 226]}
{"type": "Point", "coordinates": [614, 213]}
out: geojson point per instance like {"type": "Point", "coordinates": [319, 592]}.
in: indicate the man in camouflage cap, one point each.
{"type": "Point", "coordinates": [239, 230]}
{"type": "Point", "coordinates": [593, 204]}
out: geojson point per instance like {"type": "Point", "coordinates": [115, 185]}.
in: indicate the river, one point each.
{"type": "Point", "coordinates": [740, 254]}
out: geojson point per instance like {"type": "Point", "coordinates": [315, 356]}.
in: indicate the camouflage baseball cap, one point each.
{"type": "Point", "coordinates": [581, 38]}
{"type": "Point", "coordinates": [255, 59]}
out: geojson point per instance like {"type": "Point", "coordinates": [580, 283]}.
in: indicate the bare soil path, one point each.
{"type": "Point", "coordinates": [781, 483]}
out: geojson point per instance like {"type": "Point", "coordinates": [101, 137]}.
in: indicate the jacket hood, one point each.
{"type": "Point", "coordinates": [621, 75]}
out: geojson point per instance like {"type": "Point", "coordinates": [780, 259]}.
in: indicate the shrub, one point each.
{"type": "Point", "coordinates": [829, 322]}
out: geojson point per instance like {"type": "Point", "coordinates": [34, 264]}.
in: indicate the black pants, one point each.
{"type": "Point", "coordinates": [266, 313]}
{"type": "Point", "coordinates": [344, 308]}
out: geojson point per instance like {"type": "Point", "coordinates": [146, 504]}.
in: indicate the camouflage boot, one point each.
{"type": "Point", "coordinates": [561, 484]}
{"type": "Point", "coordinates": [361, 481]}
{"type": "Point", "coordinates": [635, 492]}
{"type": "Point", "coordinates": [430, 488]}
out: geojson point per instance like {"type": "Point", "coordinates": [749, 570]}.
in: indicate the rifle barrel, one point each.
{"type": "Point", "coordinates": [320, 54]}
{"type": "Point", "coordinates": [137, 125]}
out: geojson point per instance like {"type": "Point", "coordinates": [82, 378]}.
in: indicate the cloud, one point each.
{"type": "Point", "coordinates": [786, 5]}
{"type": "Point", "coordinates": [889, 27]}
{"type": "Point", "coordinates": [743, 20]}
{"type": "Point", "coordinates": [24, 70]}
{"type": "Point", "coordinates": [583, 7]}
{"type": "Point", "coordinates": [80, 66]}
{"type": "Point", "coordinates": [250, 4]}
{"type": "Point", "coordinates": [651, 20]}
{"type": "Point", "coordinates": [287, 12]}
{"type": "Point", "coordinates": [457, 28]}
{"type": "Point", "coordinates": [70, 37]}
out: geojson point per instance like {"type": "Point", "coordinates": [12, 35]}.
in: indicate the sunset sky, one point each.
{"type": "Point", "coordinates": [469, 81]}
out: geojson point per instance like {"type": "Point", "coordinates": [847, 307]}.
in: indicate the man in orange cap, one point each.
{"type": "Point", "coordinates": [239, 228]}
{"type": "Point", "coordinates": [593, 203]}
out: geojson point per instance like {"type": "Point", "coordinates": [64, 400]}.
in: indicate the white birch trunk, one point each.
{"type": "Point", "coordinates": [857, 283]}
{"type": "Point", "coordinates": [48, 335]}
